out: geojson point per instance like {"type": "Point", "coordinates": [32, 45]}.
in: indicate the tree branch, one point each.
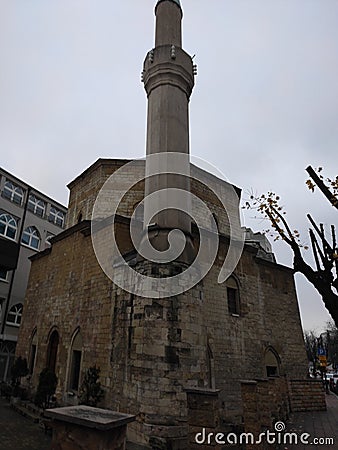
{"type": "Point", "coordinates": [322, 186]}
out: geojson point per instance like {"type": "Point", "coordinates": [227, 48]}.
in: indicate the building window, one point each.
{"type": "Point", "coordinates": [210, 368]}
{"type": "Point", "coordinates": [2, 302]}
{"type": "Point", "coordinates": [271, 371]}
{"type": "Point", "coordinates": [232, 301]}
{"type": "Point", "coordinates": [233, 296]}
{"type": "Point", "coordinates": [56, 216]}
{"type": "Point", "coordinates": [3, 275]}
{"type": "Point", "coordinates": [13, 193]}
{"type": "Point", "coordinates": [14, 315]}
{"type": "Point", "coordinates": [31, 237]}
{"type": "Point", "coordinates": [7, 356]}
{"type": "Point", "coordinates": [36, 205]}
{"type": "Point", "coordinates": [75, 362]}
{"type": "Point", "coordinates": [8, 226]}
{"type": "Point", "coordinates": [271, 362]}
{"type": "Point", "coordinates": [75, 370]}
{"type": "Point", "coordinates": [52, 350]}
{"type": "Point", "coordinates": [32, 355]}
{"type": "Point", "coordinates": [32, 359]}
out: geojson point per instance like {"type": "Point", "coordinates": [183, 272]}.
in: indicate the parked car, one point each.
{"type": "Point", "coordinates": [332, 379]}
{"type": "Point", "coordinates": [335, 381]}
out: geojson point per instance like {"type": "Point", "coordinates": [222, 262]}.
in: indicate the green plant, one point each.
{"type": "Point", "coordinates": [90, 391]}
{"type": "Point", "coordinates": [19, 369]}
{"type": "Point", "coordinates": [6, 390]}
{"type": "Point", "coordinates": [46, 388]}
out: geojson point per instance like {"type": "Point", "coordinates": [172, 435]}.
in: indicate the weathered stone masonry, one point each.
{"type": "Point", "coordinates": [151, 351]}
{"type": "Point", "coordinates": [207, 357]}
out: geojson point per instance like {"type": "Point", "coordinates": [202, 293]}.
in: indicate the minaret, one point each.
{"type": "Point", "coordinates": [168, 78]}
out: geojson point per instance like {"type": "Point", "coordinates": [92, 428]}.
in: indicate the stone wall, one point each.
{"type": "Point", "coordinates": [265, 402]}
{"type": "Point", "coordinates": [203, 413]}
{"type": "Point", "coordinates": [238, 343]}
{"type": "Point", "coordinates": [307, 395]}
{"type": "Point", "coordinates": [150, 350]}
{"type": "Point", "coordinates": [85, 188]}
{"type": "Point", "coordinates": [67, 291]}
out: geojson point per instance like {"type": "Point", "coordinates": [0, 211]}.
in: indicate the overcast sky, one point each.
{"type": "Point", "coordinates": [264, 107]}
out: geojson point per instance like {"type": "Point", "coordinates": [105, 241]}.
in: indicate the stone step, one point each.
{"type": "Point", "coordinates": [21, 409]}
{"type": "Point", "coordinates": [32, 407]}
{"type": "Point", "coordinates": [132, 446]}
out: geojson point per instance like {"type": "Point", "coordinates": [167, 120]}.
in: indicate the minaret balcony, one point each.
{"type": "Point", "coordinates": [168, 64]}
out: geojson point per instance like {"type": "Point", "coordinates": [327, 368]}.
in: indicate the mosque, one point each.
{"type": "Point", "coordinates": [179, 349]}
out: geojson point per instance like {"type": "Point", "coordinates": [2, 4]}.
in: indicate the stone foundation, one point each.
{"type": "Point", "coordinates": [203, 413]}
{"type": "Point", "coordinates": [307, 395]}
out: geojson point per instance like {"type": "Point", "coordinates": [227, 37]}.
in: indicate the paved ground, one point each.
{"type": "Point", "coordinates": [321, 425]}
{"type": "Point", "coordinates": [19, 433]}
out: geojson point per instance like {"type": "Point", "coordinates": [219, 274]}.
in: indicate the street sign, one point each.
{"type": "Point", "coordinates": [321, 351]}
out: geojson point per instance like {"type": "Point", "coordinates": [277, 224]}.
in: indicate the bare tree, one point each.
{"type": "Point", "coordinates": [331, 343]}
{"type": "Point", "coordinates": [324, 276]}
{"type": "Point", "coordinates": [311, 347]}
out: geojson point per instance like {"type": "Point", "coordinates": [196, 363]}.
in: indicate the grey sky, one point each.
{"type": "Point", "coordinates": [264, 107]}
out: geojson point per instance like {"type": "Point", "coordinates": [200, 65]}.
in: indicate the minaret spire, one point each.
{"type": "Point", "coordinates": [168, 77]}
{"type": "Point", "coordinates": [168, 23]}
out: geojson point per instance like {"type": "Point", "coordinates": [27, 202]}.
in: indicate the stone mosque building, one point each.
{"type": "Point", "coordinates": [216, 355]}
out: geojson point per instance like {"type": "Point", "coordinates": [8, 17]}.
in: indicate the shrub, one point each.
{"type": "Point", "coordinates": [19, 369]}
{"type": "Point", "coordinates": [6, 390]}
{"type": "Point", "coordinates": [90, 391]}
{"type": "Point", "coordinates": [46, 388]}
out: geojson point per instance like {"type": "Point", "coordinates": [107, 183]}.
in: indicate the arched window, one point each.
{"type": "Point", "coordinates": [271, 362]}
{"type": "Point", "coordinates": [8, 226]}
{"type": "Point", "coordinates": [52, 350]}
{"type": "Point", "coordinates": [75, 361]}
{"type": "Point", "coordinates": [7, 357]}
{"type": "Point", "coordinates": [233, 296]}
{"type": "Point", "coordinates": [56, 216]}
{"type": "Point", "coordinates": [14, 315]}
{"type": "Point", "coordinates": [13, 192]}
{"type": "Point", "coordinates": [3, 274]}
{"type": "Point", "coordinates": [210, 367]}
{"type": "Point", "coordinates": [31, 237]}
{"type": "Point", "coordinates": [36, 205]}
{"type": "Point", "coordinates": [79, 218]}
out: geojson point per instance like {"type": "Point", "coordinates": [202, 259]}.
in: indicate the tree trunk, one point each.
{"type": "Point", "coordinates": [317, 279]}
